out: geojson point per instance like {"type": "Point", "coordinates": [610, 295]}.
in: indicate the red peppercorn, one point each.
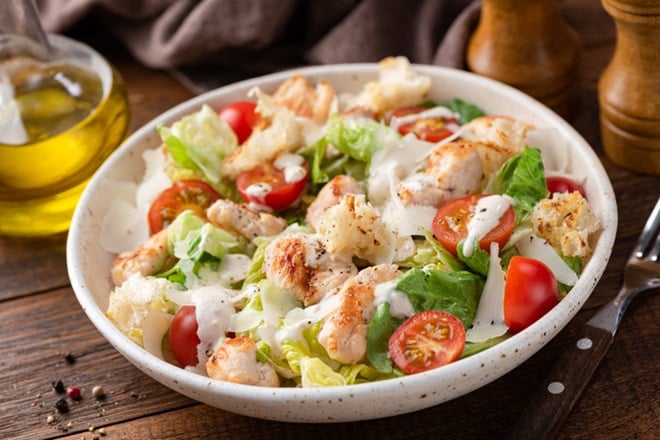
{"type": "Point", "coordinates": [74, 393]}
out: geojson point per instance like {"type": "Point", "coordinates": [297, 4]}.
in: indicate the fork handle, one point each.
{"type": "Point", "coordinates": [553, 401]}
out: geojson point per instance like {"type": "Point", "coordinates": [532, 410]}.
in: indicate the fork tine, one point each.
{"type": "Point", "coordinates": [649, 233]}
{"type": "Point", "coordinates": [655, 252]}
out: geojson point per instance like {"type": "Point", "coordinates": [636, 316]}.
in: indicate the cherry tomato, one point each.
{"type": "Point", "coordinates": [241, 117]}
{"type": "Point", "coordinates": [428, 339]}
{"type": "Point", "coordinates": [558, 184]}
{"type": "Point", "coordinates": [427, 129]}
{"type": "Point", "coordinates": [450, 224]}
{"type": "Point", "coordinates": [530, 291]}
{"type": "Point", "coordinates": [183, 194]}
{"type": "Point", "coordinates": [281, 194]}
{"type": "Point", "coordinates": [183, 337]}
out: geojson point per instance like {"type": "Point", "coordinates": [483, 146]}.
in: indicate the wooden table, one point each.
{"type": "Point", "coordinates": [41, 323]}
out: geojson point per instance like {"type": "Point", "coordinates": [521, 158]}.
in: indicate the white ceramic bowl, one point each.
{"type": "Point", "coordinates": [89, 266]}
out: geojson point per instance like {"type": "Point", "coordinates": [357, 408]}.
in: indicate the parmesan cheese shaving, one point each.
{"type": "Point", "coordinates": [489, 320]}
{"type": "Point", "coordinates": [534, 247]}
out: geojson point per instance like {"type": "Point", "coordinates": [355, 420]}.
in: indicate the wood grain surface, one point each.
{"type": "Point", "coordinates": [41, 323]}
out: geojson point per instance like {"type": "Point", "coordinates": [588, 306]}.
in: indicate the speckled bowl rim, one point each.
{"type": "Point", "coordinates": [88, 266]}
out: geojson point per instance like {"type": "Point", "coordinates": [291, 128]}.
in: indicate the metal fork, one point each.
{"type": "Point", "coordinates": [553, 401]}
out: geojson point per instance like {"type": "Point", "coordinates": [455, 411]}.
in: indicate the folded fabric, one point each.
{"type": "Point", "coordinates": [210, 43]}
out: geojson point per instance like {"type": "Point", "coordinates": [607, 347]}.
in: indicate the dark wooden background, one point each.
{"type": "Point", "coordinates": [41, 322]}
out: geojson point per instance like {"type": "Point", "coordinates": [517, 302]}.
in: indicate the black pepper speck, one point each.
{"type": "Point", "coordinates": [61, 405]}
{"type": "Point", "coordinates": [58, 386]}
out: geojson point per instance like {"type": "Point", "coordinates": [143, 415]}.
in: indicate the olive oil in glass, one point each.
{"type": "Point", "coordinates": [59, 121]}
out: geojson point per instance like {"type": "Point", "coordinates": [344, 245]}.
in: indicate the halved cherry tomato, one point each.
{"type": "Point", "coordinates": [241, 117]}
{"type": "Point", "coordinates": [558, 184]}
{"type": "Point", "coordinates": [195, 195]}
{"type": "Point", "coordinates": [427, 129]}
{"type": "Point", "coordinates": [450, 224]}
{"type": "Point", "coordinates": [183, 339]}
{"type": "Point", "coordinates": [428, 339]}
{"type": "Point", "coordinates": [530, 291]}
{"type": "Point", "coordinates": [281, 194]}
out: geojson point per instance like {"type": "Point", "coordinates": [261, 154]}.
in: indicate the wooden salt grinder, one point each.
{"type": "Point", "coordinates": [529, 45]}
{"type": "Point", "coordinates": [629, 88]}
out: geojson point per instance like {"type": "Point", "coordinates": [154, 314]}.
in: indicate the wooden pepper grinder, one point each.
{"type": "Point", "coordinates": [629, 88]}
{"type": "Point", "coordinates": [529, 45]}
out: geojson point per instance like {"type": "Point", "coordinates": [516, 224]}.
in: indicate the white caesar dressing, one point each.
{"type": "Point", "coordinates": [259, 190]}
{"type": "Point", "coordinates": [298, 319]}
{"type": "Point", "coordinates": [291, 165]}
{"type": "Point", "coordinates": [400, 306]}
{"type": "Point", "coordinates": [489, 321]}
{"type": "Point", "coordinates": [214, 307]}
{"type": "Point", "coordinates": [407, 220]}
{"type": "Point", "coordinates": [248, 318]}
{"type": "Point", "coordinates": [487, 214]}
{"type": "Point", "coordinates": [232, 268]}
{"type": "Point", "coordinates": [397, 159]}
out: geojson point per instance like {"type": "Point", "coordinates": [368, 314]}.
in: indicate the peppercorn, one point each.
{"type": "Point", "coordinates": [70, 359]}
{"type": "Point", "coordinates": [58, 386]}
{"type": "Point", "coordinates": [74, 393]}
{"type": "Point", "coordinates": [61, 405]}
{"type": "Point", "coordinates": [98, 392]}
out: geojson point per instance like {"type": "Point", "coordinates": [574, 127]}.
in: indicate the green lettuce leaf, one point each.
{"type": "Point", "coordinates": [255, 274]}
{"type": "Point", "coordinates": [479, 261]}
{"type": "Point", "coordinates": [475, 347]}
{"type": "Point", "coordinates": [360, 373]}
{"type": "Point", "coordinates": [316, 373]}
{"type": "Point", "coordinates": [265, 355]}
{"type": "Point", "coordinates": [465, 110]}
{"type": "Point", "coordinates": [522, 178]}
{"type": "Point", "coordinates": [197, 243]}
{"type": "Point", "coordinates": [381, 327]}
{"type": "Point", "coordinates": [431, 252]}
{"type": "Point", "coordinates": [355, 138]}
{"type": "Point", "coordinates": [200, 141]}
{"type": "Point", "coordinates": [457, 293]}
{"type": "Point", "coordinates": [323, 167]}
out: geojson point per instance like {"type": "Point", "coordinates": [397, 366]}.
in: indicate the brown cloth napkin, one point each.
{"type": "Point", "coordinates": [209, 43]}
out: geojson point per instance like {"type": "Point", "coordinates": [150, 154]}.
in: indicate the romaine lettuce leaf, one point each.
{"type": "Point", "coordinates": [432, 253]}
{"type": "Point", "coordinates": [324, 167]}
{"type": "Point", "coordinates": [381, 327]}
{"type": "Point", "coordinates": [360, 373]}
{"type": "Point", "coordinates": [316, 373]}
{"type": "Point", "coordinates": [457, 293]}
{"type": "Point", "coordinates": [196, 243]}
{"type": "Point", "coordinates": [255, 274]}
{"type": "Point", "coordinates": [522, 178]}
{"type": "Point", "coordinates": [355, 138]}
{"type": "Point", "coordinates": [200, 141]}
{"type": "Point", "coordinates": [265, 355]}
{"type": "Point", "coordinates": [465, 110]}
{"type": "Point", "coordinates": [478, 261]}
{"type": "Point", "coordinates": [475, 347]}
